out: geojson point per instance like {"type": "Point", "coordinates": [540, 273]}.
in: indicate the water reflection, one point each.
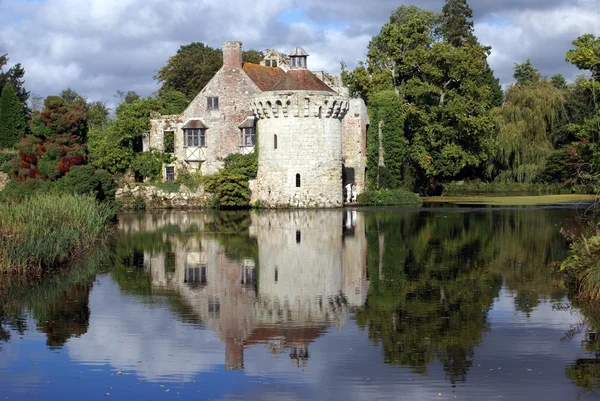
{"type": "Point", "coordinates": [300, 273]}
{"type": "Point", "coordinates": [354, 305]}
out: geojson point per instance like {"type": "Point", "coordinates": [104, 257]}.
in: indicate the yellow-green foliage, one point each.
{"type": "Point", "coordinates": [43, 231]}
{"type": "Point", "coordinates": [582, 267]}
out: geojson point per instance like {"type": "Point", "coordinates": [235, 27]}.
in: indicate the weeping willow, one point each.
{"type": "Point", "coordinates": [525, 126]}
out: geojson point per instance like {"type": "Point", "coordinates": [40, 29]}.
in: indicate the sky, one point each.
{"type": "Point", "coordinates": [97, 47]}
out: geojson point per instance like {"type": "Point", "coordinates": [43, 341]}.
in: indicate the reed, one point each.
{"type": "Point", "coordinates": [44, 231]}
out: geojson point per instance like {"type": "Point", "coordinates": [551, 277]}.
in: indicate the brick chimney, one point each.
{"type": "Point", "coordinates": [232, 54]}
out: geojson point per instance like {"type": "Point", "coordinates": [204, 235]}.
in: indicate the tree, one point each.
{"type": "Point", "coordinates": [14, 76]}
{"type": "Point", "coordinates": [127, 96]}
{"type": "Point", "coordinates": [586, 56]}
{"type": "Point", "coordinates": [558, 81]}
{"type": "Point", "coordinates": [97, 114]}
{"type": "Point", "coordinates": [527, 125]}
{"type": "Point", "coordinates": [525, 73]}
{"type": "Point", "coordinates": [12, 117]}
{"type": "Point", "coordinates": [457, 23]}
{"type": "Point", "coordinates": [70, 97]}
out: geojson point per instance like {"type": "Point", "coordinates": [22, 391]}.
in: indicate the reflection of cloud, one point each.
{"type": "Point", "coordinates": [124, 330]}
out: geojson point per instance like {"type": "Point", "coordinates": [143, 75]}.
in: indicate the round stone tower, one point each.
{"type": "Point", "coordinates": [299, 126]}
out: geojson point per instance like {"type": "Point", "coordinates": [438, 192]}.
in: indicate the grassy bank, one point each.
{"type": "Point", "coordinates": [477, 187]}
{"type": "Point", "coordinates": [43, 231]}
{"type": "Point", "coordinates": [514, 200]}
{"type": "Point", "coordinates": [582, 268]}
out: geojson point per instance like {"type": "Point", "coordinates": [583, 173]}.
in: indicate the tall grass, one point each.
{"type": "Point", "coordinates": [582, 267]}
{"type": "Point", "coordinates": [45, 230]}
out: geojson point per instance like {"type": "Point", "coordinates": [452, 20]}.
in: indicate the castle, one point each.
{"type": "Point", "coordinates": [310, 134]}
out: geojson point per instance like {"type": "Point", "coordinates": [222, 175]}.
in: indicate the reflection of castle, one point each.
{"type": "Point", "coordinates": [308, 275]}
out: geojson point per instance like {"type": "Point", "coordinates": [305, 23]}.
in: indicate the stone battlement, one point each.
{"type": "Point", "coordinates": [299, 105]}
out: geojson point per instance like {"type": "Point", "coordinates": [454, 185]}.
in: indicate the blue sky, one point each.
{"type": "Point", "coordinates": [99, 46]}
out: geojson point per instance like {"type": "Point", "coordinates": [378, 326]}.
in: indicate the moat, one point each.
{"type": "Point", "coordinates": [396, 304]}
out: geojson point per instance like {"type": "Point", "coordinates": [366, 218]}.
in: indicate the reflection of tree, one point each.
{"type": "Point", "coordinates": [59, 303]}
{"type": "Point", "coordinates": [439, 273]}
{"type": "Point", "coordinates": [585, 372]}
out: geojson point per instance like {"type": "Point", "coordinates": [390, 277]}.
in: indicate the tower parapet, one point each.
{"type": "Point", "coordinates": [300, 104]}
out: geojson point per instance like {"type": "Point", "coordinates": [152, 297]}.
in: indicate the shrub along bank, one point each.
{"type": "Point", "coordinates": [582, 268]}
{"type": "Point", "coordinates": [43, 231]}
{"type": "Point", "coordinates": [389, 197]}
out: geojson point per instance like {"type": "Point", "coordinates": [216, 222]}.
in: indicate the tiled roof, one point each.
{"type": "Point", "coordinates": [275, 79]}
{"type": "Point", "coordinates": [300, 80]}
{"type": "Point", "coordinates": [264, 77]}
{"type": "Point", "coordinates": [195, 123]}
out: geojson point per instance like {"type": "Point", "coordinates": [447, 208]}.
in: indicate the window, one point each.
{"type": "Point", "coordinates": [297, 180]}
{"type": "Point", "coordinates": [195, 275]}
{"type": "Point", "coordinates": [169, 142]}
{"type": "Point", "coordinates": [212, 103]}
{"type": "Point", "coordinates": [194, 137]}
{"type": "Point", "coordinates": [275, 141]}
{"type": "Point", "coordinates": [248, 137]}
{"type": "Point", "coordinates": [214, 307]}
{"type": "Point", "coordinates": [169, 173]}
{"type": "Point", "coordinates": [298, 237]}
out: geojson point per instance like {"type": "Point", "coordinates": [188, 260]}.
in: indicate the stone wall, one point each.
{"type": "Point", "coordinates": [158, 199]}
{"type": "Point", "coordinates": [308, 128]}
{"type": "Point", "coordinates": [354, 142]}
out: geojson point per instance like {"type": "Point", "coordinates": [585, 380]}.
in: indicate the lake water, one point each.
{"type": "Point", "coordinates": [424, 304]}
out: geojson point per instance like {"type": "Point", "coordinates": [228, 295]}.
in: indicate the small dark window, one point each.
{"type": "Point", "coordinates": [194, 137]}
{"type": "Point", "coordinates": [169, 142]}
{"type": "Point", "coordinates": [297, 180]}
{"type": "Point", "coordinates": [248, 137]}
{"type": "Point", "coordinates": [276, 274]}
{"type": "Point", "coordinates": [170, 262]}
{"type": "Point", "coordinates": [275, 141]}
{"type": "Point", "coordinates": [169, 173]}
{"type": "Point", "coordinates": [212, 103]}
{"type": "Point", "coordinates": [298, 237]}
{"type": "Point", "coordinates": [214, 306]}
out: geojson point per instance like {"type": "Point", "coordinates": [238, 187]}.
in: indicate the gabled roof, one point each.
{"type": "Point", "coordinates": [300, 80]}
{"type": "Point", "coordinates": [195, 123]}
{"type": "Point", "coordinates": [247, 123]}
{"type": "Point", "coordinates": [264, 77]}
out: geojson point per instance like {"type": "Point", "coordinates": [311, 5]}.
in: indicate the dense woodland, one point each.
{"type": "Point", "coordinates": [443, 116]}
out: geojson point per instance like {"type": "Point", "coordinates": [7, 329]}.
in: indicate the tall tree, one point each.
{"type": "Point", "coordinates": [457, 23]}
{"type": "Point", "coordinates": [527, 125]}
{"type": "Point", "coordinates": [12, 117]}
{"type": "Point", "coordinates": [14, 76]}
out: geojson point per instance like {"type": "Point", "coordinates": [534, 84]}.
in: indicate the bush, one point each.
{"type": "Point", "coordinates": [582, 268]}
{"type": "Point", "coordinates": [139, 204]}
{"type": "Point", "coordinates": [21, 190]}
{"type": "Point", "coordinates": [149, 164]}
{"type": "Point", "coordinates": [480, 187]}
{"type": "Point", "coordinates": [246, 165]}
{"type": "Point", "coordinates": [6, 159]}
{"type": "Point", "coordinates": [45, 230]}
{"type": "Point", "coordinates": [389, 197]}
{"type": "Point", "coordinates": [230, 190]}
{"type": "Point", "coordinates": [87, 180]}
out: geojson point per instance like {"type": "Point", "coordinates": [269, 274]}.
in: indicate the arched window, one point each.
{"type": "Point", "coordinates": [275, 141]}
{"type": "Point", "coordinates": [297, 180]}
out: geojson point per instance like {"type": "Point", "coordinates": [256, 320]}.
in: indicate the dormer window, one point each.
{"type": "Point", "coordinates": [194, 134]}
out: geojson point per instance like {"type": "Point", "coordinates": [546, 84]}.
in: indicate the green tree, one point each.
{"type": "Point", "coordinates": [525, 73]}
{"type": "Point", "coordinates": [97, 114]}
{"type": "Point", "coordinates": [14, 76]}
{"type": "Point", "coordinates": [126, 96]}
{"type": "Point", "coordinates": [70, 97]}
{"type": "Point", "coordinates": [527, 125]}
{"type": "Point", "coordinates": [12, 117]}
{"type": "Point", "coordinates": [457, 23]}
{"type": "Point", "coordinates": [386, 108]}
{"type": "Point", "coordinates": [559, 81]}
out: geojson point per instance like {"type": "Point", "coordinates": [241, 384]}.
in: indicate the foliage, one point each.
{"type": "Point", "coordinates": [527, 126]}
{"type": "Point", "coordinates": [12, 117]}
{"type": "Point", "coordinates": [582, 267]}
{"type": "Point", "coordinates": [586, 55]}
{"type": "Point", "coordinates": [97, 115]}
{"type": "Point", "coordinates": [174, 102]}
{"type": "Point", "coordinates": [389, 197]}
{"type": "Point", "coordinates": [149, 164]}
{"type": "Point", "coordinates": [447, 86]}
{"type": "Point", "coordinates": [386, 108]}
{"type": "Point", "coordinates": [496, 188]}
{"type": "Point", "coordinates": [7, 157]}
{"type": "Point", "coordinates": [87, 180]}
{"type": "Point", "coordinates": [40, 232]}
{"type": "Point", "coordinates": [14, 76]}
{"type": "Point", "coordinates": [238, 164]}
{"type": "Point", "coordinates": [230, 190]}
{"type": "Point", "coordinates": [109, 150]}
{"type": "Point", "coordinates": [139, 204]}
